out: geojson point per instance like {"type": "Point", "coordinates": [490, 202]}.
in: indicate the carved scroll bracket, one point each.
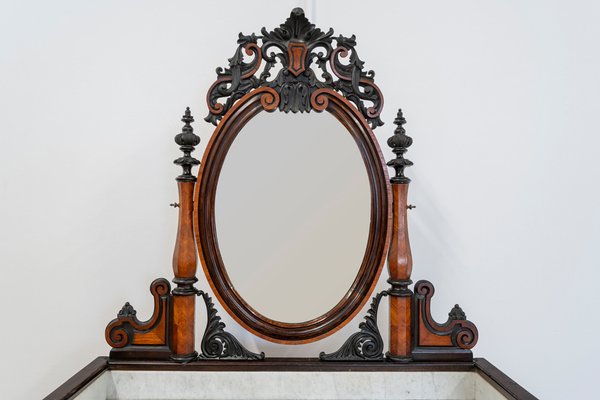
{"type": "Point", "coordinates": [456, 332]}
{"type": "Point", "coordinates": [128, 331]}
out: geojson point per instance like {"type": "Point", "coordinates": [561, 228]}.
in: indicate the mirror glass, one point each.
{"type": "Point", "coordinates": [292, 214]}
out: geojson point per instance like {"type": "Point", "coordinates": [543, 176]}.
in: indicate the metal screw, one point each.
{"type": "Point", "coordinates": [410, 206]}
{"type": "Point", "coordinates": [174, 205]}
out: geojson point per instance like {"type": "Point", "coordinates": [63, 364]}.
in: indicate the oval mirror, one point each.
{"type": "Point", "coordinates": [292, 214]}
{"type": "Point", "coordinates": [292, 217]}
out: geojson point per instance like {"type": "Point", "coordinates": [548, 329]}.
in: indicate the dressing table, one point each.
{"type": "Point", "coordinates": [290, 101]}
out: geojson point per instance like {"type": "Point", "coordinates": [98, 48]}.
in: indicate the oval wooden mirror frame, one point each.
{"type": "Point", "coordinates": [267, 99]}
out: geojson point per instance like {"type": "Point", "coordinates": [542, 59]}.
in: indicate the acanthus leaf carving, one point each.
{"type": "Point", "coordinates": [364, 345]}
{"type": "Point", "coordinates": [219, 344]}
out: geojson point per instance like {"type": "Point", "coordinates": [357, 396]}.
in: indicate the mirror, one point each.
{"type": "Point", "coordinates": [294, 241]}
{"type": "Point", "coordinates": [292, 214]}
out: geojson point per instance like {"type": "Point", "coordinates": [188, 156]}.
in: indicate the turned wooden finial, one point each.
{"type": "Point", "coordinates": [187, 139]}
{"type": "Point", "coordinates": [399, 143]}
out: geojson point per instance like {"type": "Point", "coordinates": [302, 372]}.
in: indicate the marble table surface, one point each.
{"type": "Point", "coordinates": [288, 385]}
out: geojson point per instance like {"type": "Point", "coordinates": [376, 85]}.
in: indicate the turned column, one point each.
{"type": "Point", "coordinates": [184, 256]}
{"type": "Point", "coordinates": [400, 257]}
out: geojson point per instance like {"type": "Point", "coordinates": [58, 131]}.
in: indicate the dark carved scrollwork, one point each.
{"type": "Point", "coordinates": [365, 345]}
{"type": "Point", "coordinates": [233, 82]}
{"type": "Point", "coordinates": [218, 344]}
{"type": "Point", "coordinates": [457, 331]}
{"type": "Point", "coordinates": [306, 55]}
{"type": "Point", "coordinates": [128, 330]}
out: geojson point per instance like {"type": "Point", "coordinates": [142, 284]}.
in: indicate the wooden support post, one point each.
{"type": "Point", "coordinates": [184, 267]}
{"type": "Point", "coordinates": [184, 256]}
{"type": "Point", "coordinates": [400, 257]}
{"type": "Point", "coordinates": [400, 268]}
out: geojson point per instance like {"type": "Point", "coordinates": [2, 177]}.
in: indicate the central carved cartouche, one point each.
{"type": "Point", "coordinates": [306, 55]}
{"type": "Point", "coordinates": [296, 54]}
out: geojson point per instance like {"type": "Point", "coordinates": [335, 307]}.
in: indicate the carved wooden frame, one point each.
{"type": "Point", "coordinates": [266, 98]}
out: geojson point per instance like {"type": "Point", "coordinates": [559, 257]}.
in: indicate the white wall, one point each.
{"type": "Point", "coordinates": [501, 99]}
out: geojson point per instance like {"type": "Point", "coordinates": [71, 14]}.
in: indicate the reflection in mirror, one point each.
{"type": "Point", "coordinates": [292, 214]}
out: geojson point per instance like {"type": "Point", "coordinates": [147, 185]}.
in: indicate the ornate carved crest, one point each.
{"type": "Point", "coordinates": [307, 58]}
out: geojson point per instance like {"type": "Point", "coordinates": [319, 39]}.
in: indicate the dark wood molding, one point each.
{"type": "Point", "coordinates": [440, 353]}
{"type": "Point", "coordinates": [501, 381]}
{"type": "Point", "coordinates": [140, 353]}
{"type": "Point", "coordinates": [267, 99]}
{"type": "Point", "coordinates": [290, 364]}
{"type": "Point", "coordinates": [79, 380]}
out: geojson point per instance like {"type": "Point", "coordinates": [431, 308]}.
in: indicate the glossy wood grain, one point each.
{"type": "Point", "coordinates": [400, 269]}
{"type": "Point", "coordinates": [184, 255]}
{"type": "Point", "coordinates": [184, 268]}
